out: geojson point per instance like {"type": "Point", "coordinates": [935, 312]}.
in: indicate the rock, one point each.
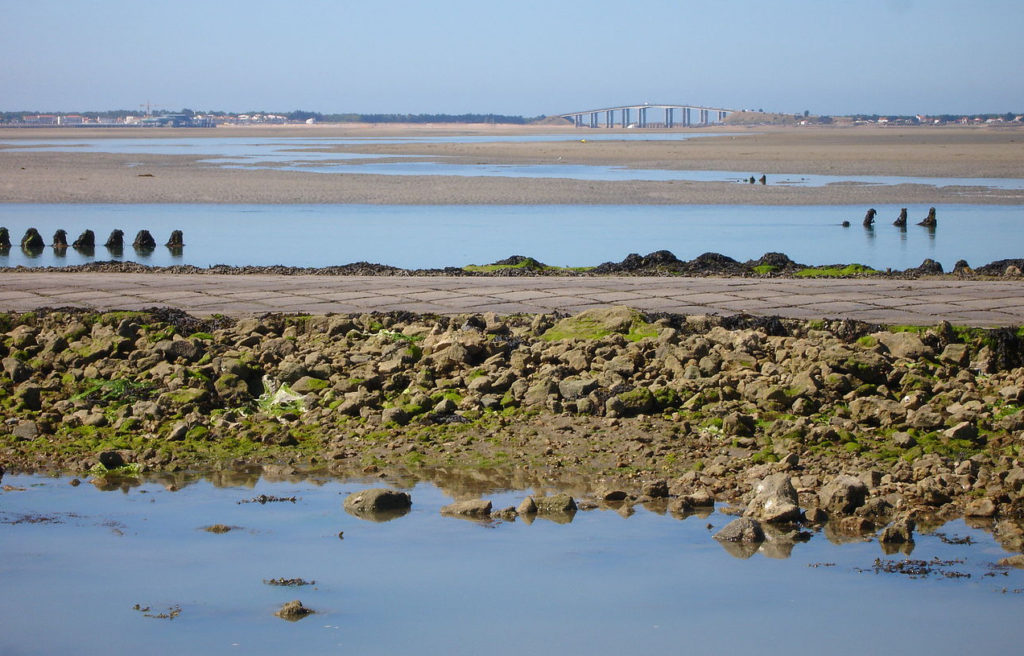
{"type": "Point", "coordinates": [843, 495]}
{"type": "Point", "coordinates": [115, 241]}
{"type": "Point", "coordinates": [573, 389]}
{"type": "Point", "coordinates": [471, 508]}
{"type": "Point", "coordinates": [655, 489]}
{"type": "Point", "coordinates": [1012, 561]}
{"type": "Point", "coordinates": [60, 239]}
{"type": "Point", "coordinates": [396, 416]}
{"type": "Point", "coordinates": [32, 241]}
{"type": "Point", "coordinates": [638, 401]}
{"type": "Point", "coordinates": [742, 529]}
{"type": "Point", "coordinates": [957, 354]}
{"type": "Point", "coordinates": [26, 430]}
{"type": "Point", "coordinates": [899, 532]}
{"type": "Point", "coordinates": [929, 221]}
{"type": "Point", "coordinates": [377, 500]}
{"type": "Point", "coordinates": [929, 267]}
{"type": "Point", "coordinates": [599, 321]}
{"type": "Point", "coordinates": [29, 396]}
{"type": "Point", "coordinates": [741, 425]}
{"type": "Point", "coordinates": [293, 611]}
{"type": "Point", "coordinates": [18, 371]}
{"type": "Point", "coordinates": [555, 504]}
{"type": "Point", "coordinates": [701, 497]}
{"type": "Point", "coordinates": [86, 241]}
{"type": "Point", "coordinates": [111, 459]}
{"type": "Point", "coordinates": [612, 495]}
{"type": "Point", "coordinates": [869, 218]}
{"type": "Point", "coordinates": [983, 507]}
{"type": "Point", "coordinates": [854, 525]}
{"type": "Point", "coordinates": [185, 349]}
{"type": "Point", "coordinates": [965, 430]}
{"type": "Point", "coordinates": [901, 220]}
{"type": "Point", "coordinates": [144, 241]}
{"type": "Point", "coordinates": [904, 345]}
{"type": "Point", "coordinates": [775, 500]}
{"type": "Point", "coordinates": [177, 240]}
{"type": "Point", "coordinates": [5, 239]}
{"type": "Point", "coordinates": [527, 507]}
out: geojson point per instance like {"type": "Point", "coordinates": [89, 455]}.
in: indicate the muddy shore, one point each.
{"type": "Point", "coordinates": [869, 427]}
{"type": "Point", "coordinates": [80, 177]}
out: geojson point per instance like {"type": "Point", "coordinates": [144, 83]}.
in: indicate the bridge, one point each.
{"type": "Point", "coordinates": [687, 114]}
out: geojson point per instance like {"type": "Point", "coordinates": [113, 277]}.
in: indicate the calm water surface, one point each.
{"type": "Point", "coordinates": [77, 560]}
{"type": "Point", "coordinates": [563, 235]}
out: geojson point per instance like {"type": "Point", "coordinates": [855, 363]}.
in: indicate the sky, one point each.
{"type": "Point", "coordinates": [527, 58]}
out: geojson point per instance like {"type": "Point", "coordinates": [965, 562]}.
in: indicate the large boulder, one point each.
{"type": "Point", "coordinates": [775, 500]}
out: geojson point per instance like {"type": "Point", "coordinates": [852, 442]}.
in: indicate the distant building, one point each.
{"type": "Point", "coordinates": [41, 119]}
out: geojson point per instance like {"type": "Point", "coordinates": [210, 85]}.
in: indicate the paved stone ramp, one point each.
{"type": "Point", "coordinates": [911, 302]}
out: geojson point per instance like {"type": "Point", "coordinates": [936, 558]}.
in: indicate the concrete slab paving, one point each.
{"type": "Point", "coordinates": [922, 302]}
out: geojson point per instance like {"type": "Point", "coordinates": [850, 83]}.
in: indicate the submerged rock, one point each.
{"type": "Point", "coordinates": [470, 508]}
{"type": "Point", "coordinates": [293, 611]}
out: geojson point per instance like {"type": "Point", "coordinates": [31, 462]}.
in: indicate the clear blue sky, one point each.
{"type": "Point", "coordinates": [526, 57]}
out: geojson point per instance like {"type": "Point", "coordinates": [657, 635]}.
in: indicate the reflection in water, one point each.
{"type": "Point", "coordinates": [425, 584]}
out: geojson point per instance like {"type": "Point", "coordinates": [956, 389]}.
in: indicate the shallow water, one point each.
{"type": "Point", "coordinates": [561, 235]}
{"type": "Point", "coordinates": [77, 560]}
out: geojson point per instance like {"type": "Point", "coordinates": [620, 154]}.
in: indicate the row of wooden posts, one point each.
{"type": "Point", "coordinates": [33, 241]}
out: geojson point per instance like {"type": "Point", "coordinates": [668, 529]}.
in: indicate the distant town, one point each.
{"type": "Point", "coordinates": [187, 118]}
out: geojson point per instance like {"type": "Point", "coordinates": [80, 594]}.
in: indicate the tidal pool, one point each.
{"type": "Point", "coordinates": [429, 236]}
{"type": "Point", "coordinates": [87, 571]}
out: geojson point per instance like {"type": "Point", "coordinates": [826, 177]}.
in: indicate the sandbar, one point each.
{"type": "Point", "coordinates": [28, 176]}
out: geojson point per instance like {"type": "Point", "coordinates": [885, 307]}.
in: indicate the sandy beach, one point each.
{"type": "Point", "coordinates": [81, 177]}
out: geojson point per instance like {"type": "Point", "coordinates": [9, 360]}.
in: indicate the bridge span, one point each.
{"type": "Point", "coordinates": [688, 115]}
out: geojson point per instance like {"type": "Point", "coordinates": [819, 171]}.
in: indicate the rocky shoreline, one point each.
{"type": "Point", "coordinates": [857, 424]}
{"type": "Point", "coordinates": [658, 263]}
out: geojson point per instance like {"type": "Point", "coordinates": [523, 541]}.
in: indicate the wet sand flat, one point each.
{"type": "Point", "coordinates": [81, 177]}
